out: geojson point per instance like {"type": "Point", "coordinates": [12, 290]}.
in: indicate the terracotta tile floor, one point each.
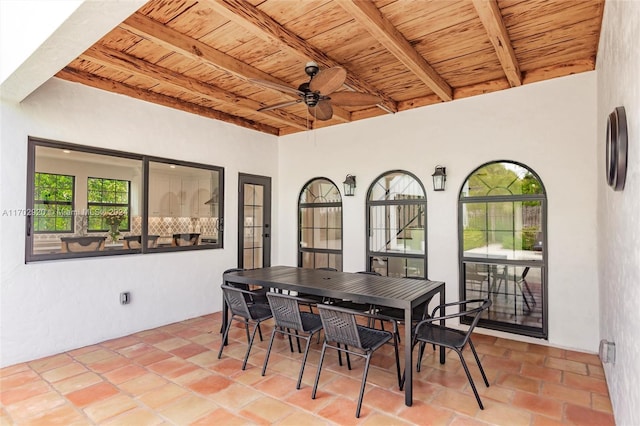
{"type": "Point", "coordinates": [171, 375]}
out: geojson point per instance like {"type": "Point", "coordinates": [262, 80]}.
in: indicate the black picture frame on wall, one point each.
{"type": "Point", "coordinates": [616, 149]}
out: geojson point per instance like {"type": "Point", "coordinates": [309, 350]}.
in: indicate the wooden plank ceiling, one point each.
{"type": "Point", "coordinates": [201, 56]}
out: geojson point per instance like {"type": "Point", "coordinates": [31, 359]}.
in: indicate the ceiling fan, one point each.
{"type": "Point", "coordinates": [319, 93]}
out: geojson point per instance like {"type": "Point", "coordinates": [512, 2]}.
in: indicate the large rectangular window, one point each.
{"type": "Point", "coordinates": [85, 202]}
{"type": "Point", "coordinates": [53, 202]}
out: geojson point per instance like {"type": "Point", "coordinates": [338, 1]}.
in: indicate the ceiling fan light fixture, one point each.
{"type": "Point", "coordinates": [311, 68]}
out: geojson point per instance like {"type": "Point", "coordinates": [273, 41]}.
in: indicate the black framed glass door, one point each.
{"type": "Point", "coordinates": [254, 221]}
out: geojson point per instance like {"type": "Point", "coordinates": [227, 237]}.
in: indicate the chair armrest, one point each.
{"type": "Point", "coordinates": [452, 315]}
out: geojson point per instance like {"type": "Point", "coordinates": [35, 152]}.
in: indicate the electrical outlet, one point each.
{"type": "Point", "coordinates": [607, 352]}
{"type": "Point", "coordinates": [125, 298]}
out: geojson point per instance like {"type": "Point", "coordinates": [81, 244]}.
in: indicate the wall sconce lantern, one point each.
{"type": "Point", "coordinates": [439, 178]}
{"type": "Point", "coordinates": [349, 186]}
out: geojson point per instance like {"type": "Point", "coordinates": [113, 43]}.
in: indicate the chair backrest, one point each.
{"type": "Point", "coordinates": [237, 285]}
{"type": "Point", "coordinates": [474, 313]}
{"type": "Point", "coordinates": [236, 301]}
{"type": "Point", "coordinates": [81, 244]}
{"type": "Point", "coordinates": [285, 310]}
{"type": "Point", "coordinates": [339, 325]}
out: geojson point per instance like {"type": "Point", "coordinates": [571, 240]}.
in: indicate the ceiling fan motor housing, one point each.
{"type": "Point", "coordinates": [310, 98]}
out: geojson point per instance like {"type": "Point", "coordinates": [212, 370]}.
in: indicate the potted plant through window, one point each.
{"type": "Point", "coordinates": [113, 218]}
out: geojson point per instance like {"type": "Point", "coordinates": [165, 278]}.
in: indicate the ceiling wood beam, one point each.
{"type": "Point", "coordinates": [102, 83]}
{"type": "Point", "coordinates": [540, 74]}
{"type": "Point", "coordinates": [368, 15]}
{"type": "Point", "coordinates": [491, 19]}
{"type": "Point", "coordinates": [266, 28]}
{"type": "Point", "coordinates": [124, 62]}
{"type": "Point", "coordinates": [554, 71]}
{"type": "Point", "coordinates": [173, 40]}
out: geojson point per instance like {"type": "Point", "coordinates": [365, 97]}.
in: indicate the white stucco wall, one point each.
{"type": "Point", "coordinates": [618, 69]}
{"type": "Point", "coordinates": [49, 307]}
{"type": "Point", "coordinates": [549, 126]}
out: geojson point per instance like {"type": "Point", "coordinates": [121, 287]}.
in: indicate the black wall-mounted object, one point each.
{"type": "Point", "coordinates": [616, 149]}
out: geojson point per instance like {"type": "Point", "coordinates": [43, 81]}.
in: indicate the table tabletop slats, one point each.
{"type": "Point", "coordinates": [362, 288]}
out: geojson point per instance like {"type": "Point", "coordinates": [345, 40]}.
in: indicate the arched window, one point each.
{"type": "Point", "coordinates": [396, 226]}
{"type": "Point", "coordinates": [320, 225]}
{"type": "Point", "coordinates": [502, 229]}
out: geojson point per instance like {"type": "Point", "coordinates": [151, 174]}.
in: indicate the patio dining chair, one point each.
{"type": "Point", "coordinates": [256, 295]}
{"type": "Point", "coordinates": [245, 313]}
{"type": "Point", "coordinates": [252, 296]}
{"type": "Point", "coordinates": [290, 321]}
{"type": "Point", "coordinates": [340, 327]}
{"type": "Point", "coordinates": [430, 331]}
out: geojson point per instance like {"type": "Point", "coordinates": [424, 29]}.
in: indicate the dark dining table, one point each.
{"type": "Point", "coordinates": [401, 293]}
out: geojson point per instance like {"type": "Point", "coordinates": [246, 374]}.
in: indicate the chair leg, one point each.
{"type": "Point", "coordinates": [246, 329]}
{"type": "Point", "coordinates": [266, 357]}
{"type": "Point", "coordinates": [346, 354]}
{"type": "Point", "coordinates": [224, 337]}
{"type": "Point", "coordinates": [290, 341]}
{"type": "Point", "coordinates": [473, 386]}
{"type": "Point", "coordinates": [475, 354]}
{"type": "Point", "coordinates": [395, 347]}
{"type": "Point", "coordinates": [260, 332]}
{"type": "Point", "coordinates": [298, 340]}
{"type": "Point", "coordinates": [420, 354]}
{"type": "Point", "coordinates": [304, 360]}
{"type": "Point", "coordinates": [315, 383]}
{"type": "Point", "coordinates": [246, 356]}
{"type": "Point", "coordinates": [364, 382]}
{"type": "Point", "coordinates": [526, 286]}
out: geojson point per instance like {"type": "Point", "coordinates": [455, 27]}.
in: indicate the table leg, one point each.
{"type": "Point", "coordinates": [442, 323]}
{"type": "Point", "coordinates": [408, 362]}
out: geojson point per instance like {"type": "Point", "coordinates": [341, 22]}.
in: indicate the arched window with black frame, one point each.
{"type": "Point", "coordinates": [397, 226]}
{"type": "Point", "coordinates": [320, 225]}
{"type": "Point", "coordinates": [502, 215]}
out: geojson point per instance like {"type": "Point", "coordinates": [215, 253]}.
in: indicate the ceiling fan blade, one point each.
{"type": "Point", "coordinates": [276, 86]}
{"type": "Point", "coordinates": [280, 105]}
{"type": "Point", "coordinates": [322, 111]}
{"type": "Point", "coordinates": [354, 99]}
{"type": "Point", "coordinates": [328, 81]}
